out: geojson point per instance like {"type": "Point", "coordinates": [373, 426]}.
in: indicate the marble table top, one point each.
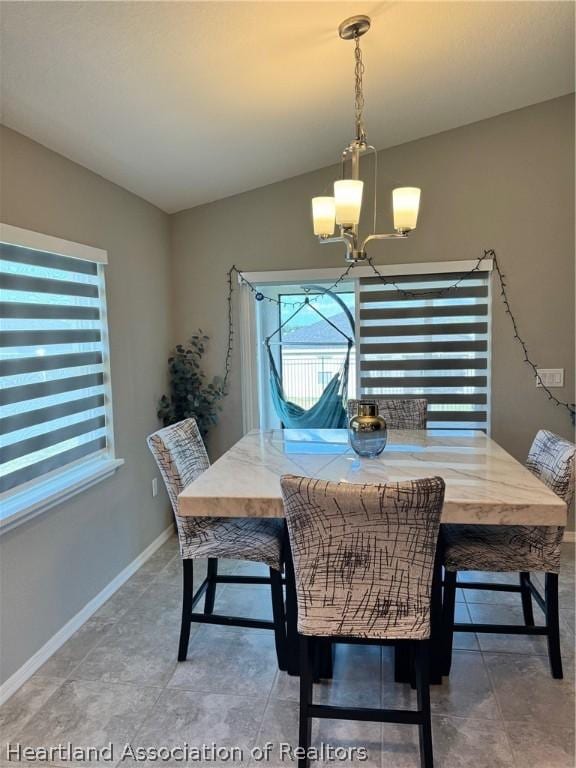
{"type": "Point", "coordinates": [484, 484]}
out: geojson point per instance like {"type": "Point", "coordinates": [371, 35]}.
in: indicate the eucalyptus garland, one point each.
{"type": "Point", "coordinates": [487, 254]}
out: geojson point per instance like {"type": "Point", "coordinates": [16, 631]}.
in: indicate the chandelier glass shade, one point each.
{"type": "Point", "coordinates": [344, 208]}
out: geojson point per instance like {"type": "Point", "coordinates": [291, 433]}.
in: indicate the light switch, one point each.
{"type": "Point", "coordinates": [551, 377]}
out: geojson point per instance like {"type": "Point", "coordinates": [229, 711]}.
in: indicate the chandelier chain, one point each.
{"type": "Point", "coordinates": [358, 91]}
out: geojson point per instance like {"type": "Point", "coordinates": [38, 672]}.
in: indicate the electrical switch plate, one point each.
{"type": "Point", "coordinates": [155, 486]}
{"type": "Point", "coordinates": [551, 377]}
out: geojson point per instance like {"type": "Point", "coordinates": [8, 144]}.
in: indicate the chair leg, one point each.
{"type": "Point", "coordinates": [448, 608]}
{"type": "Point", "coordinates": [187, 595]}
{"type": "Point", "coordinates": [279, 617]}
{"type": "Point", "coordinates": [306, 693]}
{"type": "Point", "coordinates": [210, 596]}
{"type": "Point", "coordinates": [422, 663]}
{"type": "Point", "coordinates": [526, 599]}
{"type": "Point", "coordinates": [553, 625]}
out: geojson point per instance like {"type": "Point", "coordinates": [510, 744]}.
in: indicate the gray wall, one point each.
{"type": "Point", "coordinates": [53, 565]}
{"type": "Point", "coordinates": [504, 183]}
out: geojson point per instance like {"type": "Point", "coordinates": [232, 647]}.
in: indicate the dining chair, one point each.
{"type": "Point", "coordinates": [513, 548]}
{"type": "Point", "coordinates": [400, 413]}
{"type": "Point", "coordinates": [363, 560]}
{"type": "Point", "coordinates": [181, 456]}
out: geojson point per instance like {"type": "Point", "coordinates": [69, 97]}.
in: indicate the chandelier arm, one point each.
{"type": "Point", "coordinates": [390, 236]}
{"type": "Point", "coordinates": [348, 240]}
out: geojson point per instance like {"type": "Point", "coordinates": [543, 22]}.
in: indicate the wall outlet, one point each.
{"type": "Point", "coordinates": [154, 486]}
{"type": "Point", "coordinates": [551, 377]}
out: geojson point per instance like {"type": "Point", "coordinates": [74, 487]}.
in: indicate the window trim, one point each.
{"type": "Point", "coordinates": [20, 504]}
{"type": "Point", "coordinates": [247, 312]}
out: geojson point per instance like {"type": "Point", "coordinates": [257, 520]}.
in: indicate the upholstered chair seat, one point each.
{"type": "Point", "coordinates": [236, 539]}
{"type": "Point", "coordinates": [181, 457]}
{"type": "Point", "coordinates": [502, 548]}
{"type": "Point", "coordinates": [400, 413]}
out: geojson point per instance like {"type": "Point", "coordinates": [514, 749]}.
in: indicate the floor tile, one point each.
{"type": "Point", "coordinates": [506, 614]}
{"type": "Point", "coordinates": [246, 600]}
{"type": "Point", "coordinates": [184, 717]}
{"type": "Point", "coordinates": [160, 605]}
{"type": "Point", "coordinates": [467, 692]}
{"type": "Point", "coordinates": [144, 655]}
{"type": "Point", "coordinates": [240, 663]}
{"type": "Point", "coordinates": [464, 641]}
{"type": "Point", "coordinates": [568, 620]}
{"type": "Point", "coordinates": [349, 743]}
{"type": "Point", "coordinates": [490, 597]}
{"type": "Point", "coordinates": [394, 695]}
{"type": "Point", "coordinates": [285, 687]}
{"type": "Point", "coordinates": [67, 658]}
{"type": "Point", "coordinates": [88, 714]}
{"type": "Point", "coordinates": [506, 643]}
{"type": "Point", "coordinates": [242, 568]}
{"type": "Point", "coordinates": [356, 678]}
{"type": "Point", "coordinates": [457, 743]}
{"type": "Point", "coordinates": [23, 705]}
{"type": "Point", "coordinates": [526, 691]}
{"type": "Point", "coordinates": [161, 557]}
{"type": "Point", "coordinates": [535, 746]}
{"type": "Point", "coordinates": [122, 600]}
{"type": "Point", "coordinates": [280, 729]}
{"type": "Point", "coordinates": [172, 572]}
{"type": "Point", "coordinates": [488, 577]}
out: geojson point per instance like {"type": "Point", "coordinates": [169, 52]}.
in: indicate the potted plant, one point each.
{"type": "Point", "coordinates": [191, 395]}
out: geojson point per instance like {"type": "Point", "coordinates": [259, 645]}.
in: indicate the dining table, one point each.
{"type": "Point", "coordinates": [485, 485]}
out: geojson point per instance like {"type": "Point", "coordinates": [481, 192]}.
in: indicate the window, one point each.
{"type": "Point", "coordinates": [55, 404]}
{"type": "Point", "coordinates": [308, 351]}
{"type": "Point", "coordinates": [434, 343]}
{"type": "Point", "coordinates": [431, 344]}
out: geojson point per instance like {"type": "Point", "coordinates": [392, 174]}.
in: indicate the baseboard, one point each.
{"type": "Point", "coordinates": [15, 681]}
{"type": "Point", "coordinates": [570, 536]}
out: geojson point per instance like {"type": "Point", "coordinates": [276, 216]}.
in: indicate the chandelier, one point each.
{"type": "Point", "coordinates": [345, 206]}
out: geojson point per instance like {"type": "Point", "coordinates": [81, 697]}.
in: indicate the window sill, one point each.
{"type": "Point", "coordinates": [32, 501]}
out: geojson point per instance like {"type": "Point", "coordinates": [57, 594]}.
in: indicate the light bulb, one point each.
{"type": "Point", "coordinates": [405, 202]}
{"type": "Point", "coordinates": [323, 212]}
{"type": "Point", "coordinates": [348, 196]}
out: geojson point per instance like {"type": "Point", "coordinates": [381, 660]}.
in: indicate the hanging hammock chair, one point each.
{"type": "Point", "coordinates": [329, 412]}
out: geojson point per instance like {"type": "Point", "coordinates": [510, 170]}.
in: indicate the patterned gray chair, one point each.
{"type": "Point", "coordinates": [181, 457]}
{"type": "Point", "coordinates": [400, 413]}
{"type": "Point", "coordinates": [514, 548]}
{"type": "Point", "coordinates": [363, 563]}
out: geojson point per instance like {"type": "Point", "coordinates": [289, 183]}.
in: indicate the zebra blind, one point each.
{"type": "Point", "coordinates": [433, 343]}
{"type": "Point", "coordinates": [52, 351]}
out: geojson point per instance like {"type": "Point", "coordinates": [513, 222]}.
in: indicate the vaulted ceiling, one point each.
{"type": "Point", "coordinates": [186, 102]}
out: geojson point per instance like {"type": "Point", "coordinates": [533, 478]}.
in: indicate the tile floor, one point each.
{"type": "Point", "coordinates": [117, 681]}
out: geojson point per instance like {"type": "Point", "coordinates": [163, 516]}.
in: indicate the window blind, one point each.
{"type": "Point", "coordinates": [433, 344]}
{"type": "Point", "coordinates": [52, 352]}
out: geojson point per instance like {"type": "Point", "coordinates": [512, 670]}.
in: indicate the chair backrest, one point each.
{"type": "Point", "coordinates": [400, 413]}
{"type": "Point", "coordinates": [363, 555]}
{"type": "Point", "coordinates": [551, 459]}
{"type": "Point", "coordinates": [181, 456]}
